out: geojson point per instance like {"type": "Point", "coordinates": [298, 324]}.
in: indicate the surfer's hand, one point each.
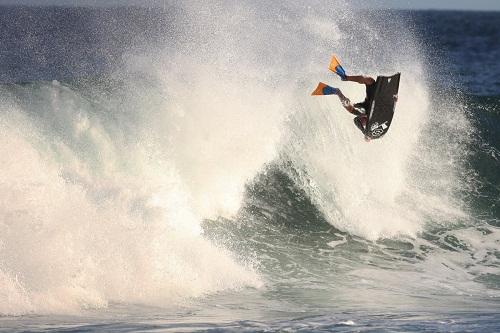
{"type": "Point", "coordinates": [395, 98]}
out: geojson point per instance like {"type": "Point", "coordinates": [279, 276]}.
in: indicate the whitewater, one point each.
{"type": "Point", "coordinates": [165, 168]}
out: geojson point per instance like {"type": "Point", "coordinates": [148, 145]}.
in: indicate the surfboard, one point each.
{"type": "Point", "coordinates": [382, 106]}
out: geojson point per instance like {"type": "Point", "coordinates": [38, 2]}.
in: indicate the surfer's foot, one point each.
{"type": "Point", "coordinates": [340, 72]}
{"type": "Point", "coordinates": [337, 68]}
{"type": "Point", "coordinates": [324, 89]}
{"type": "Point", "coordinates": [331, 91]}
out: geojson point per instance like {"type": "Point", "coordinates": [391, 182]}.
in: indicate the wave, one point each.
{"type": "Point", "coordinates": [107, 180]}
{"type": "Point", "coordinates": [93, 215]}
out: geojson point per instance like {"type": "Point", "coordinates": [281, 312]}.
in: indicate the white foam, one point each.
{"type": "Point", "coordinates": [80, 231]}
{"type": "Point", "coordinates": [377, 189]}
{"type": "Point", "coordinates": [103, 202]}
{"type": "Point", "coordinates": [102, 198]}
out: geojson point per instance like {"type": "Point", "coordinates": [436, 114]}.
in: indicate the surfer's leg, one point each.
{"type": "Point", "coordinates": [346, 102]}
{"type": "Point", "coordinates": [361, 79]}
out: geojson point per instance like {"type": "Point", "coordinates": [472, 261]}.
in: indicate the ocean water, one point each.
{"type": "Point", "coordinates": [165, 169]}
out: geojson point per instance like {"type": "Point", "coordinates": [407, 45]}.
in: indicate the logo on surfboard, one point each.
{"type": "Point", "coordinates": [377, 129]}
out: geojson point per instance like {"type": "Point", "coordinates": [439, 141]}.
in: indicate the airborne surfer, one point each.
{"type": "Point", "coordinates": [362, 110]}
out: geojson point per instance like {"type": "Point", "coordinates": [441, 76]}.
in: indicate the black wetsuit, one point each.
{"type": "Point", "coordinates": [361, 109]}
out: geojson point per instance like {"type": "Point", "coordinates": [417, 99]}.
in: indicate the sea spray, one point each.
{"type": "Point", "coordinates": [106, 177]}
{"type": "Point", "coordinates": [123, 167]}
{"type": "Point", "coordinates": [89, 218]}
{"type": "Point", "coordinates": [374, 189]}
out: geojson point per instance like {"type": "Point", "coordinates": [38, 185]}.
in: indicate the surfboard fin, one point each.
{"type": "Point", "coordinates": [324, 89]}
{"type": "Point", "coordinates": [337, 68]}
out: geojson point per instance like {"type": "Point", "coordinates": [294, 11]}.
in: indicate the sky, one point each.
{"type": "Point", "coordinates": [393, 4]}
{"type": "Point", "coordinates": [432, 4]}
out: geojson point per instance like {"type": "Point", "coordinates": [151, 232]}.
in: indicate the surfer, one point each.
{"type": "Point", "coordinates": [360, 110]}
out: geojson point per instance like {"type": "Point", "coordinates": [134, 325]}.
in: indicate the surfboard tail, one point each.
{"type": "Point", "coordinates": [337, 68]}
{"type": "Point", "coordinates": [324, 89]}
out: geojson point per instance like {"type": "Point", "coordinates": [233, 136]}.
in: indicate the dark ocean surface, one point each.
{"type": "Point", "coordinates": [165, 169]}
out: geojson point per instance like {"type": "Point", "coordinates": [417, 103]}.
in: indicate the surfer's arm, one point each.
{"type": "Point", "coordinates": [361, 79]}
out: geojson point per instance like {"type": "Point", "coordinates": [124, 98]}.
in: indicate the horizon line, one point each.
{"type": "Point", "coordinates": [116, 5]}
